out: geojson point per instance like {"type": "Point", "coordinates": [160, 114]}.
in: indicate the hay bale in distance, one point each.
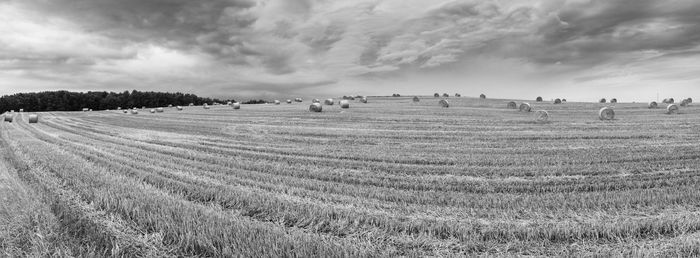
{"type": "Point", "coordinates": [541, 116]}
{"type": "Point", "coordinates": [170, 105]}
{"type": "Point", "coordinates": [315, 107]}
{"type": "Point", "coordinates": [8, 118]}
{"type": "Point", "coordinates": [289, 101]}
{"type": "Point", "coordinates": [126, 111]}
{"type": "Point", "coordinates": [86, 109]}
{"type": "Point", "coordinates": [653, 104]}
{"type": "Point", "coordinates": [563, 100]}
{"type": "Point", "coordinates": [444, 103]}
{"type": "Point", "coordinates": [482, 96]}
{"type": "Point", "coordinates": [606, 113]}
{"type": "Point", "coordinates": [191, 104]}
{"type": "Point", "coordinates": [363, 100]}
{"type": "Point", "coordinates": [119, 108]}
{"type": "Point", "coordinates": [690, 100]}
{"type": "Point", "coordinates": [458, 95]}
{"type": "Point", "coordinates": [684, 102]}
{"type": "Point", "coordinates": [33, 118]}
{"type": "Point", "coordinates": [179, 108]}
{"type": "Point", "coordinates": [445, 95]}
{"type": "Point", "coordinates": [557, 101]}
{"type": "Point", "coordinates": [437, 95]}
{"type": "Point", "coordinates": [315, 101]}
{"type": "Point", "coordinates": [668, 101]}
{"type": "Point", "coordinates": [134, 112]}
{"type": "Point", "coordinates": [21, 110]}
{"type": "Point", "coordinates": [344, 103]}
{"type": "Point", "coordinates": [205, 106]}
{"type": "Point", "coordinates": [613, 100]}
{"type": "Point", "coordinates": [153, 110]}
{"type": "Point", "coordinates": [512, 105]}
{"type": "Point", "coordinates": [236, 105]}
{"type": "Point", "coordinates": [298, 100]}
{"type": "Point", "coordinates": [160, 110]}
{"type": "Point", "coordinates": [603, 100]}
{"type": "Point", "coordinates": [416, 99]}
{"type": "Point", "coordinates": [538, 99]}
{"type": "Point", "coordinates": [328, 102]}
{"type": "Point", "coordinates": [525, 107]}
{"type": "Point", "coordinates": [672, 109]}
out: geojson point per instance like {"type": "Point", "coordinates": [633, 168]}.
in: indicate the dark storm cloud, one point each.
{"type": "Point", "coordinates": [216, 27]}
{"type": "Point", "coordinates": [594, 32]}
{"type": "Point", "coordinates": [291, 44]}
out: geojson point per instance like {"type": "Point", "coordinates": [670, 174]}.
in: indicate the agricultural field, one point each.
{"type": "Point", "coordinates": [385, 178]}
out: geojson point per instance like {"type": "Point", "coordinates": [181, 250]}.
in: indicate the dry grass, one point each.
{"type": "Point", "coordinates": [389, 178]}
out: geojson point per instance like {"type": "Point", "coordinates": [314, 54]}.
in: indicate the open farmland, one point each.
{"type": "Point", "coordinates": [387, 178]}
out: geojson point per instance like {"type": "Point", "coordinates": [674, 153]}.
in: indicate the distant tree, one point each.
{"type": "Point", "coordinates": [100, 100]}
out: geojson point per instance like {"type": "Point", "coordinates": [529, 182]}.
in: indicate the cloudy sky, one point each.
{"type": "Point", "coordinates": [580, 50]}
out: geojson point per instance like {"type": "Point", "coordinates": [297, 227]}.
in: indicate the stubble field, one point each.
{"type": "Point", "coordinates": [386, 178]}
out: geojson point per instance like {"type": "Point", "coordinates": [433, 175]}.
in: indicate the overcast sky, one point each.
{"type": "Point", "coordinates": [580, 50]}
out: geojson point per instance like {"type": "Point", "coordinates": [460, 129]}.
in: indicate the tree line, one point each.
{"type": "Point", "coordinates": [76, 101]}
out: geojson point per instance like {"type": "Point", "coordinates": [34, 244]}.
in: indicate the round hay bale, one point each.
{"type": "Point", "coordinates": [653, 104]}
{"type": "Point", "coordinates": [458, 95]}
{"type": "Point", "coordinates": [437, 95]}
{"type": "Point", "coordinates": [315, 101]}
{"type": "Point", "coordinates": [33, 118]}
{"type": "Point", "coordinates": [160, 110]}
{"type": "Point", "coordinates": [153, 111]}
{"type": "Point", "coordinates": [86, 109]}
{"type": "Point", "coordinates": [289, 101]}
{"type": "Point", "coordinates": [538, 99]}
{"type": "Point", "coordinates": [690, 100]}
{"type": "Point", "coordinates": [525, 107]}
{"type": "Point", "coordinates": [236, 105]}
{"type": "Point", "coordinates": [444, 103]}
{"type": "Point", "coordinates": [344, 104]}
{"type": "Point", "coordinates": [126, 111]}
{"type": "Point", "coordinates": [191, 104]}
{"type": "Point", "coordinates": [445, 95]}
{"type": "Point", "coordinates": [557, 101]}
{"type": "Point", "coordinates": [298, 100]}
{"type": "Point", "coordinates": [119, 108]}
{"type": "Point", "coordinates": [603, 100]}
{"type": "Point", "coordinates": [8, 118]}
{"type": "Point", "coordinates": [512, 105]}
{"type": "Point", "coordinates": [277, 102]}
{"type": "Point", "coordinates": [672, 109]}
{"type": "Point", "coordinates": [315, 107]}
{"type": "Point", "coordinates": [613, 100]}
{"type": "Point", "coordinates": [179, 108]}
{"type": "Point", "coordinates": [482, 96]}
{"type": "Point", "coordinates": [170, 105]}
{"type": "Point", "coordinates": [134, 112]}
{"type": "Point", "coordinates": [416, 99]}
{"type": "Point", "coordinates": [541, 116]}
{"type": "Point", "coordinates": [90, 110]}
{"type": "Point", "coordinates": [363, 100]}
{"type": "Point", "coordinates": [21, 110]}
{"type": "Point", "coordinates": [671, 101]}
{"type": "Point", "coordinates": [684, 103]}
{"type": "Point", "coordinates": [205, 107]}
{"type": "Point", "coordinates": [606, 113]}
{"type": "Point", "coordinates": [563, 100]}
{"type": "Point", "coordinates": [229, 103]}
{"type": "Point", "coordinates": [328, 102]}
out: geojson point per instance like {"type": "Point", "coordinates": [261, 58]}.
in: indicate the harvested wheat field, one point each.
{"type": "Point", "coordinates": [391, 177]}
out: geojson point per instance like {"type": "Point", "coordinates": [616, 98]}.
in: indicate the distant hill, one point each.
{"type": "Point", "coordinates": [101, 100]}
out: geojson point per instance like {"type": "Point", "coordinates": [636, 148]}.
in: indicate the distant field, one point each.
{"type": "Point", "coordinates": [386, 178]}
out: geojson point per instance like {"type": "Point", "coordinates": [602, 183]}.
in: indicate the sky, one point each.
{"type": "Point", "coordinates": [580, 50]}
